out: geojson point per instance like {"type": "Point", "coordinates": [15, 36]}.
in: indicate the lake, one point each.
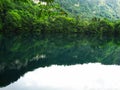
{"type": "Point", "coordinates": [59, 62]}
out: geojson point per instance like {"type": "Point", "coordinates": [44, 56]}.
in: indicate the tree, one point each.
{"type": "Point", "coordinates": [117, 28]}
{"type": "Point", "coordinates": [13, 20]}
{"type": "Point", "coordinates": [48, 1]}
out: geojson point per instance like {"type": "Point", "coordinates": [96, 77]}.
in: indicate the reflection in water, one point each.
{"type": "Point", "coordinates": [20, 54]}
{"type": "Point", "coordinates": [74, 77]}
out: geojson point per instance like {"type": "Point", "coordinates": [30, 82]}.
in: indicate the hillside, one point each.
{"type": "Point", "coordinates": [24, 16]}
{"type": "Point", "coordinates": [92, 8]}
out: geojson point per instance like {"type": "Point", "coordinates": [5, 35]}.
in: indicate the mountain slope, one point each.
{"type": "Point", "coordinates": [92, 8]}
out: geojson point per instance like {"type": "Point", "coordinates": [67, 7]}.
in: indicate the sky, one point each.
{"type": "Point", "coordinates": [92, 76]}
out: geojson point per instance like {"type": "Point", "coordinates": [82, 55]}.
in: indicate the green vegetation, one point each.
{"type": "Point", "coordinates": [26, 51]}
{"type": "Point", "coordinates": [20, 54]}
{"type": "Point", "coordinates": [24, 16]}
{"type": "Point", "coordinates": [92, 8]}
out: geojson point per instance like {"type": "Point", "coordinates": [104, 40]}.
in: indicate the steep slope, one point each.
{"type": "Point", "coordinates": [92, 8]}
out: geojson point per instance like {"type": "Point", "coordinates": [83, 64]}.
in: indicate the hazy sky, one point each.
{"type": "Point", "coordinates": [75, 77]}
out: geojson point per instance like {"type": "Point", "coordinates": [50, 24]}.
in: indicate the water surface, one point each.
{"type": "Point", "coordinates": [29, 62]}
{"type": "Point", "coordinates": [75, 77]}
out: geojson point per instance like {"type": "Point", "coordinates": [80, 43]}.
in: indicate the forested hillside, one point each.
{"type": "Point", "coordinates": [25, 16]}
{"type": "Point", "coordinates": [92, 8]}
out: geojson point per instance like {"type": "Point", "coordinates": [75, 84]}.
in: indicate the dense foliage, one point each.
{"type": "Point", "coordinates": [21, 54]}
{"type": "Point", "coordinates": [24, 53]}
{"type": "Point", "coordinates": [92, 8]}
{"type": "Point", "coordinates": [21, 16]}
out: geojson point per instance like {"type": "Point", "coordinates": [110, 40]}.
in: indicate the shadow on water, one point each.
{"type": "Point", "coordinates": [20, 54]}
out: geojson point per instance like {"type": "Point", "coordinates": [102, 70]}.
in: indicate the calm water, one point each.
{"type": "Point", "coordinates": [59, 62]}
{"type": "Point", "coordinates": [75, 77]}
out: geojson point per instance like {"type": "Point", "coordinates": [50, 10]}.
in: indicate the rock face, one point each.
{"type": "Point", "coordinates": [92, 8]}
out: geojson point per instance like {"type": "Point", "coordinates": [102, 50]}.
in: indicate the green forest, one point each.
{"type": "Point", "coordinates": [26, 16]}
{"type": "Point", "coordinates": [92, 8]}
{"type": "Point", "coordinates": [40, 33]}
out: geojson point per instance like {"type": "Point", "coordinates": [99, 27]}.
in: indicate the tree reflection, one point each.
{"type": "Point", "coordinates": [20, 54]}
